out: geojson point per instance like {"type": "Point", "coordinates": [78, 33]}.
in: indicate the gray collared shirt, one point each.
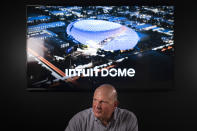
{"type": "Point", "coordinates": [123, 120]}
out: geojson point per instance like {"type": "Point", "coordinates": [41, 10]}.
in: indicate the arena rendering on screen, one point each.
{"type": "Point", "coordinates": [71, 48]}
{"type": "Point", "coordinates": [103, 34]}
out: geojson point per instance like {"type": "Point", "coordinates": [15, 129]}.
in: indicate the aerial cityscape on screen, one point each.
{"type": "Point", "coordinates": [74, 48]}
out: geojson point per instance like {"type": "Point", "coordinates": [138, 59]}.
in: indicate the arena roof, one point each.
{"type": "Point", "coordinates": [103, 34]}
{"type": "Point", "coordinates": [96, 25]}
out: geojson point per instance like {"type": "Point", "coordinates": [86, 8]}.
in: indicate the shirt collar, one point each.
{"type": "Point", "coordinates": [115, 113]}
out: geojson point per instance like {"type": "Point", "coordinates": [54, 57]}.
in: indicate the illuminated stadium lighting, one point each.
{"type": "Point", "coordinates": [103, 34]}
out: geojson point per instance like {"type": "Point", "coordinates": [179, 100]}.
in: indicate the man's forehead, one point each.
{"type": "Point", "coordinates": [102, 96]}
{"type": "Point", "coordinates": [105, 89]}
{"type": "Point", "coordinates": [102, 92]}
{"type": "Point", "coordinates": [99, 93]}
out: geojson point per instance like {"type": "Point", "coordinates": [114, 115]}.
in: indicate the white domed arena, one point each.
{"type": "Point", "coordinates": [103, 34]}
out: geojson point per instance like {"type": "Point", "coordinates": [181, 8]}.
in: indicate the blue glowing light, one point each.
{"type": "Point", "coordinates": [96, 25]}
{"type": "Point", "coordinates": [103, 34]}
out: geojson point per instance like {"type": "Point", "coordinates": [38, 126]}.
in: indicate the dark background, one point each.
{"type": "Point", "coordinates": [174, 110]}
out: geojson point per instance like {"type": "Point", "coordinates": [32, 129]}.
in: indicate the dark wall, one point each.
{"type": "Point", "coordinates": [174, 110]}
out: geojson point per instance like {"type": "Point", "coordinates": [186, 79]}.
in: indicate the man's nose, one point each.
{"type": "Point", "coordinates": [98, 105]}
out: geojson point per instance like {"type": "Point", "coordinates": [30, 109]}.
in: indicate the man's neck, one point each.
{"type": "Point", "coordinates": [105, 122]}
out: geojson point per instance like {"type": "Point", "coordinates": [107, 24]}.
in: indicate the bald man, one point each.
{"type": "Point", "coordinates": [104, 114]}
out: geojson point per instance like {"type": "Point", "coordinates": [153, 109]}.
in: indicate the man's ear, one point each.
{"type": "Point", "coordinates": [116, 103]}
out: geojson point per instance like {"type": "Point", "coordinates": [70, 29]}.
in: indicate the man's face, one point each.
{"type": "Point", "coordinates": [103, 105]}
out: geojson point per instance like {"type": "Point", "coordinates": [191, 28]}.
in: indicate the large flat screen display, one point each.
{"type": "Point", "coordinates": [77, 48]}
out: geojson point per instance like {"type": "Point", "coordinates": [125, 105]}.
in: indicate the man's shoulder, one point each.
{"type": "Point", "coordinates": [125, 113]}
{"type": "Point", "coordinates": [79, 120]}
{"type": "Point", "coordinates": [127, 119]}
{"type": "Point", "coordinates": [84, 114]}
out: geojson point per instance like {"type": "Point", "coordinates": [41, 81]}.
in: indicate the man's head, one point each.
{"type": "Point", "coordinates": [104, 101]}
